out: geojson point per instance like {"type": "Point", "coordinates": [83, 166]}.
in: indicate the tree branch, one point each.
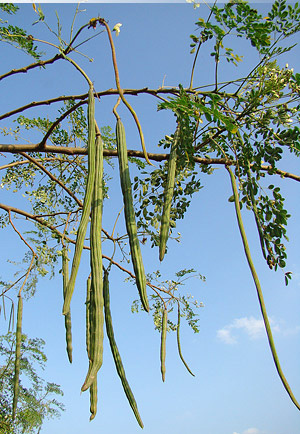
{"type": "Point", "coordinates": [43, 222]}
{"type": "Point", "coordinates": [31, 66]}
{"type": "Point", "coordinates": [154, 92]}
{"type": "Point", "coordinates": [18, 149]}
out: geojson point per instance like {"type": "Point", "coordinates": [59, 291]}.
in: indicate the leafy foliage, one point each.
{"type": "Point", "coordinates": [15, 35]}
{"type": "Point", "coordinates": [171, 297]}
{"type": "Point", "coordinates": [36, 397]}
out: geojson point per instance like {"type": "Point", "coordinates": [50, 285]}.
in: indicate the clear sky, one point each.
{"type": "Point", "coordinates": [236, 389]}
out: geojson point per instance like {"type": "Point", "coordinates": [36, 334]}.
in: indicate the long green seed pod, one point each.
{"type": "Point", "coordinates": [96, 270]}
{"type": "Point", "coordinates": [130, 215]}
{"type": "Point", "coordinates": [255, 212]}
{"type": "Point", "coordinates": [115, 351]}
{"type": "Point", "coordinates": [163, 344]}
{"type": "Point", "coordinates": [17, 356]}
{"type": "Point", "coordinates": [168, 195]}
{"type": "Point", "coordinates": [68, 323]}
{"type": "Point", "coordinates": [179, 345]}
{"type": "Point", "coordinates": [86, 204]}
{"type": "Point", "coordinates": [93, 399]}
{"type": "Point", "coordinates": [89, 329]}
{"type": "Point", "coordinates": [88, 318]}
{"type": "Point", "coordinates": [258, 288]}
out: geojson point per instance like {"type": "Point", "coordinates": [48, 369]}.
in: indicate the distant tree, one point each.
{"type": "Point", "coordinates": [36, 401]}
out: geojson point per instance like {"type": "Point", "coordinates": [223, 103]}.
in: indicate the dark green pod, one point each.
{"type": "Point", "coordinates": [115, 351]}
{"type": "Point", "coordinates": [96, 301]}
{"type": "Point", "coordinates": [168, 196]}
{"type": "Point", "coordinates": [135, 248]}
{"type": "Point", "coordinates": [163, 344]}
{"type": "Point", "coordinates": [86, 209]}
{"type": "Point", "coordinates": [17, 356]}
{"type": "Point", "coordinates": [68, 323]}
{"type": "Point", "coordinates": [179, 345]}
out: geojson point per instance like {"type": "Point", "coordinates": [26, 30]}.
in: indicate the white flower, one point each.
{"type": "Point", "coordinates": [117, 28]}
{"type": "Point", "coordinates": [286, 65]}
{"type": "Point", "coordinates": [196, 5]}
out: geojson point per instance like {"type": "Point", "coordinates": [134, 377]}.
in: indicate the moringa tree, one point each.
{"type": "Point", "coordinates": [247, 126]}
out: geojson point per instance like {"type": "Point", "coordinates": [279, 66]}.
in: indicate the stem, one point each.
{"type": "Point", "coordinates": [258, 288]}
{"type": "Point", "coordinates": [78, 68]}
{"type": "Point", "coordinates": [197, 52]}
{"type": "Point", "coordinates": [114, 59]}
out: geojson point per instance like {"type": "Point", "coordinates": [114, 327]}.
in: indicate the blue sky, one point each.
{"type": "Point", "coordinates": [236, 389]}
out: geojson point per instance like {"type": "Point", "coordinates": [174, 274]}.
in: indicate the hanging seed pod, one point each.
{"type": "Point", "coordinates": [163, 344]}
{"type": "Point", "coordinates": [86, 203]}
{"type": "Point", "coordinates": [168, 196]}
{"type": "Point", "coordinates": [17, 355]}
{"type": "Point", "coordinates": [93, 399]}
{"type": "Point", "coordinates": [68, 323]}
{"type": "Point", "coordinates": [115, 351]}
{"type": "Point", "coordinates": [96, 301]}
{"type": "Point", "coordinates": [178, 343]}
{"type": "Point", "coordinates": [135, 248]}
{"type": "Point", "coordinates": [89, 348]}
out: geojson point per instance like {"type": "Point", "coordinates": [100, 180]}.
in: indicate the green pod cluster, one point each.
{"type": "Point", "coordinates": [17, 356]}
{"type": "Point", "coordinates": [86, 203]}
{"type": "Point", "coordinates": [96, 299]}
{"type": "Point", "coordinates": [168, 195]}
{"type": "Point", "coordinates": [135, 248]}
{"type": "Point", "coordinates": [68, 323]}
{"type": "Point", "coordinates": [115, 351]}
{"type": "Point", "coordinates": [163, 344]}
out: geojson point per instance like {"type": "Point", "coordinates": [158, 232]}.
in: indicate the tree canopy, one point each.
{"type": "Point", "coordinates": [62, 168]}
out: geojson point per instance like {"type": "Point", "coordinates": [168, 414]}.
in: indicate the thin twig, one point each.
{"type": "Point", "coordinates": [28, 245]}
{"type": "Point", "coordinates": [51, 176]}
{"type": "Point", "coordinates": [57, 122]}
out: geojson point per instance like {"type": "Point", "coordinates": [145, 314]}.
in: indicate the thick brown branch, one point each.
{"type": "Point", "coordinates": [131, 153]}
{"type": "Point", "coordinates": [17, 149]}
{"type": "Point", "coordinates": [107, 92]}
{"type": "Point", "coordinates": [31, 66]}
{"type": "Point", "coordinates": [282, 173]}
